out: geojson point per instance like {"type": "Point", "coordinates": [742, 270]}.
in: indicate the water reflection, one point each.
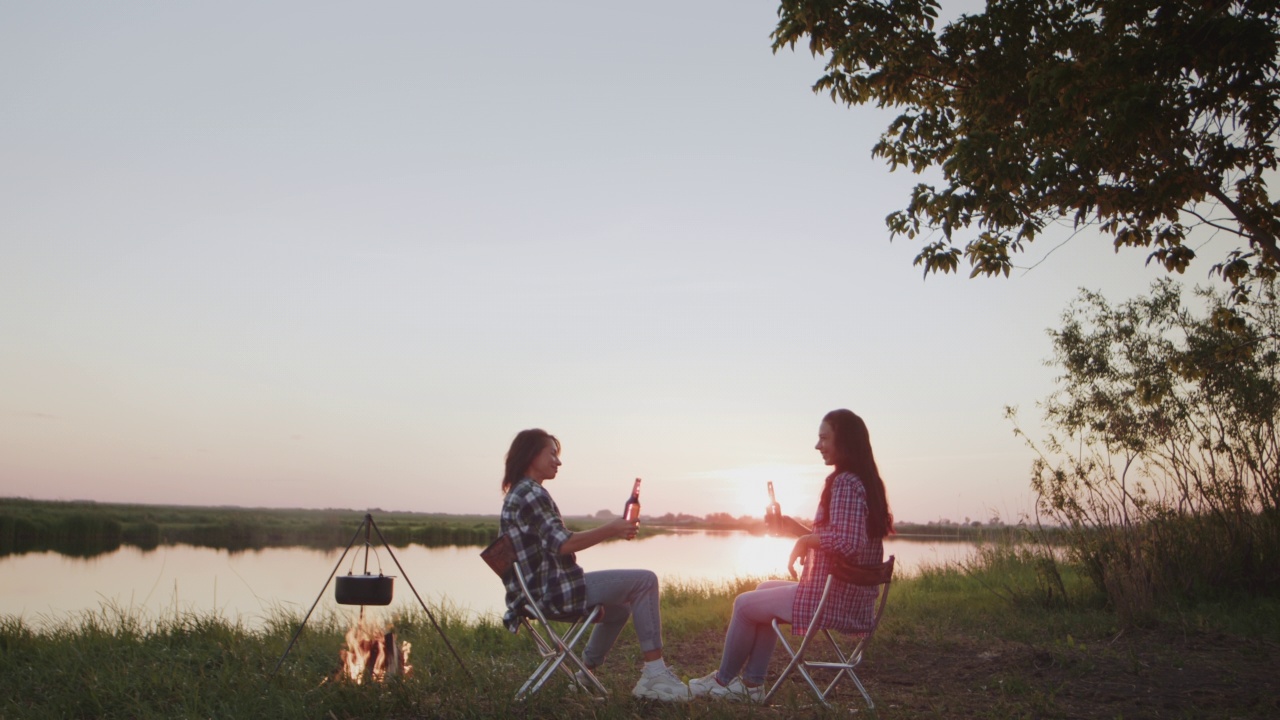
{"type": "Point", "coordinates": [250, 586]}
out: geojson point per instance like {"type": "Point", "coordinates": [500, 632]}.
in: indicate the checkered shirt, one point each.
{"type": "Point", "coordinates": [843, 534]}
{"type": "Point", "coordinates": [532, 520]}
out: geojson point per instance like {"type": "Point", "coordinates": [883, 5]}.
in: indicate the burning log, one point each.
{"type": "Point", "coordinates": [393, 654]}
{"type": "Point", "coordinates": [372, 653]}
{"type": "Point", "coordinates": [371, 663]}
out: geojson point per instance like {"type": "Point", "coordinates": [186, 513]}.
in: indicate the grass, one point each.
{"type": "Point", "coordinates": [955, 643]}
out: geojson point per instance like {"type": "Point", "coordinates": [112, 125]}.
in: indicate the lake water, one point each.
{"type": "Point", "coordinates": [45, 588]}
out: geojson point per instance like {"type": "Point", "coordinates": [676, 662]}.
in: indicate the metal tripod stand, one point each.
{"type": "Point", "coordinates": [368, 526]}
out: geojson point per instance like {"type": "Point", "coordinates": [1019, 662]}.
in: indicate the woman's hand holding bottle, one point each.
{"type": "Point", "coordinates": [622, 527]}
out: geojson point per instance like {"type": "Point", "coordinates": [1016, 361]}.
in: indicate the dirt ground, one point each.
{"type": "Point", "coordinates": [1142, 674]}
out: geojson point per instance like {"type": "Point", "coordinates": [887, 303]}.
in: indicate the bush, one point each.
{"type": "Point", "coordinates": [1163, 460]}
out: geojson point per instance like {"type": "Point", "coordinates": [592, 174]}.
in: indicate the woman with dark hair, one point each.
{"type": "Point", "coordinates": [850, 525]}
{"type": "Point", "coordinates": [545, 550]}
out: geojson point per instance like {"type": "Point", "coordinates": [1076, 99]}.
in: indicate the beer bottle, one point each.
{"type": "Point", "coordinates": [631, 511]}
{"type": "Point", "coordinates": [772, 512]}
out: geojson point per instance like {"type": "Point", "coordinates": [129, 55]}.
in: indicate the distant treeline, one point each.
{"type": "Point", "coordinates": [84, 529]}
{"type": "Point", "coordinates": [967, 532]}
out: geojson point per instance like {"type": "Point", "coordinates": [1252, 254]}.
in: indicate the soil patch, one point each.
{"type": "Point", "coordinates": [1142, 674]}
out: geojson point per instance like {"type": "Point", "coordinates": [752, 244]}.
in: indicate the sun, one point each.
{"type": "Point", "coordinates": [745, 489]}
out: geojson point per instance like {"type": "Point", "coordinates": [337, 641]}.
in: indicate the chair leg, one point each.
{"type": "Point", "coordinates": [575, 635]}
{"type": "Point", "coordinates": [556, 651]}
{"type": "Point", "coordinates": [544, 651]}
{"type": "Point", "coordinates": [865, 695]}
{"type": "Point", "coordinates": [552, 659]}
{"type": "Point", "coordinates": [541, 673]}
{"type": "Point", "coordinates": [791, 664]}
{"type": "Point", "coordinates": [796, 663]}
{"type": "Point", "coordinates": [562, 653]}
{"type": "Point", "coordinates": [844, 668]}
{"type": "Point", "coordinates": [803, 669]}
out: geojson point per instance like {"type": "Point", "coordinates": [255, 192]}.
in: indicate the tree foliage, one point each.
{"type": "Point", "coordinates": [1163, 455]}
{"type": "Point", "coordinates": [1144, 118]}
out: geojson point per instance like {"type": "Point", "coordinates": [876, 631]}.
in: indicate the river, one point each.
{"type": "Point", "coordinates": [47, 588]}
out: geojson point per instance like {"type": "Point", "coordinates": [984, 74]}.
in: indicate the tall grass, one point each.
{"type": "Point", "coordinates": [123, 663]}
{"type": "Point", "coordinates": [118, 663]}
{"type": "Point", "coordinates": [1172, 559]}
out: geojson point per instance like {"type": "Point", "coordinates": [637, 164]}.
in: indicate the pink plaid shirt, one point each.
{"type": "Point", "coordinates": [850, 608]}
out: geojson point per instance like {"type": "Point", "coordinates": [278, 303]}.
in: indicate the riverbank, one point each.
{"type": "Point", "coordinates": [85, 529]}
{"type": "Point", "coordinates": [950, 647]}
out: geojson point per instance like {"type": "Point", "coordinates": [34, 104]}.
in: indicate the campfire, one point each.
{"type": "Point", "coordinates": [371, 653]}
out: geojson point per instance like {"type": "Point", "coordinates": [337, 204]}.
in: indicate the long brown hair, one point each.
{"type": "Point", "coordinates": [853, 454]}
{"type": "Point", "coordinates": [524, 450]}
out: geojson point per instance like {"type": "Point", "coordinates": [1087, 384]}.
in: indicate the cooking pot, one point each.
{"type": "Point", "coordinates": [362, 589]}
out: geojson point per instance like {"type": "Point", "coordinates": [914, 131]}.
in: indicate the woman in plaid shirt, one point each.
{"type": "Point", "coordinates": [545, 550]}
{"type": "Point", "coordinates": [851, 522]}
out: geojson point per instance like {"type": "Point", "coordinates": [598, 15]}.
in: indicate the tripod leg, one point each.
{"type": "Point", "coordinates": [419, 597]}
{"type": "Point", "coordinates": [317, 602]}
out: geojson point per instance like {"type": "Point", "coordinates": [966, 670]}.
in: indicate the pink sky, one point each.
{"type": "Point", "coordinates": [334, 255]}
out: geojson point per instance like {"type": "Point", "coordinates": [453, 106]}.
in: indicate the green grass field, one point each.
{"type": "Point", "coordinates": [977, 643]}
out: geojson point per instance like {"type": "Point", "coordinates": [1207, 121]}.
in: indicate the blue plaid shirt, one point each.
{"type": "Point", "coordinates": [532, 520]}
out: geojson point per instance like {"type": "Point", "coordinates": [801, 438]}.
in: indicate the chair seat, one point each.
{"type": "Point", "coordinates": [531, 613]}
{"type": "Point", "coordinates": [866, 575]}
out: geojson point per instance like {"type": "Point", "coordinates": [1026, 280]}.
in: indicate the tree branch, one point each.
{"type": "Point", "coordinates": [1255, 232]}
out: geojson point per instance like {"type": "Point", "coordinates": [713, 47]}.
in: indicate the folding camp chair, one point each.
{"type": "Point", "coordinates": [555, 649]}
{"type": "Point", "coordinates": [879, 576]}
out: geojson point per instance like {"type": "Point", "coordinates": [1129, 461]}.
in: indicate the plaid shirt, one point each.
{"type": "Point", "coordinates": [532, 520]}
{"type": "Point", "coordinates": [850, 608]}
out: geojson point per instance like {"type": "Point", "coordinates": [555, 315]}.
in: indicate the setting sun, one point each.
{"type": "Point", "coordinates": [744, 490]}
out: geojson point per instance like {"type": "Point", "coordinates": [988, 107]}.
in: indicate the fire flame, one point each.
{"type": "Point", "coordinates": [371, 653]}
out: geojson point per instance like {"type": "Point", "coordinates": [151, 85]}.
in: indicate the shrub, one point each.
{"type": "Point", "coordinates": [1162, 461]}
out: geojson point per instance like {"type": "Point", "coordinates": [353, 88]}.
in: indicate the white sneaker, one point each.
{"type": "Point", "coordinates": [736, 690]}
{"type": "Point", "coordinates": [662, 685]}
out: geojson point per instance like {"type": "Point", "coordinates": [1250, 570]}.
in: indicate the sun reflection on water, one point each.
{"type": "Point", "coordinates": [763, 556]}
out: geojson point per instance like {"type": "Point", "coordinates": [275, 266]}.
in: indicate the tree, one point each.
{"type": "Point", "coordinates": [1144, 118]}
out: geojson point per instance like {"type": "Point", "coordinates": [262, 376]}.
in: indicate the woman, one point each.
{"type": "Point", "coordinates": [851, 522]}
{"type": "Point", "coordinates": [545, 551]}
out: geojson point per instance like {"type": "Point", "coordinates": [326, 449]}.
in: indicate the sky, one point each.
{"type": "Point", "coordinates": [335, 255]}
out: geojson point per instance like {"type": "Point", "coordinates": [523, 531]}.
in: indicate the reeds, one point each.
{"type": "Point", "coordinates": [122, 663]}
{"type": "Point", "coordinates": [84, 529]}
